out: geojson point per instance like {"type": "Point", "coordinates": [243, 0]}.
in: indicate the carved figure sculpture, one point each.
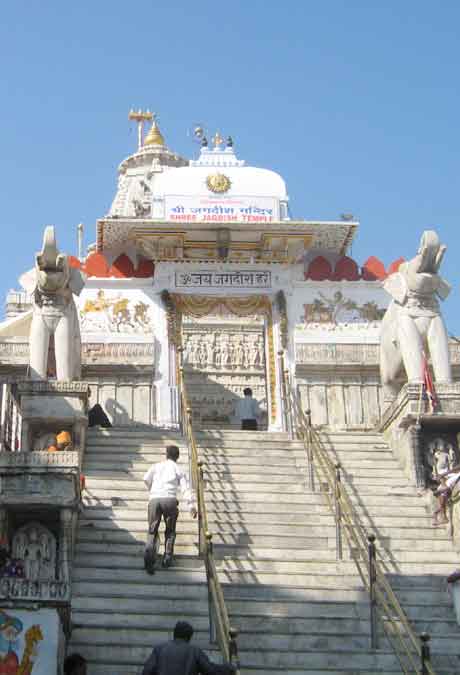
{"type": "Point", "coordinates": [36, 547]}
{"type": "Point", "coordinates": [51, 285]}
{"type": "Point", "coordinates": [413, 321]}
{"type": "Point", "coordinates": [441, 461]}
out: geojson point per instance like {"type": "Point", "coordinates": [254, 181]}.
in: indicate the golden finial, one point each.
{"type": "Point", "coordinates": [140, 117]}
{"type": "Point", "coordinates": [154, 137]}
{"type": "Point", "coordinates": [217, 140]}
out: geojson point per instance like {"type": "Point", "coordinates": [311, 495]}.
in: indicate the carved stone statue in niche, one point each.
{"type": "Point", "coordinates": [36, 547]}
{"type": "Point", "coordinates": [440, 457]}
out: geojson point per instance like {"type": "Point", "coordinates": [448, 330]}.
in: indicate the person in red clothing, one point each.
{"type": "Point", "coordinates": [179, 657]}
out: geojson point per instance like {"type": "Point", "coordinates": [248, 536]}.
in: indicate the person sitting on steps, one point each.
{"type": "Point", "coordinates": [447, 483]}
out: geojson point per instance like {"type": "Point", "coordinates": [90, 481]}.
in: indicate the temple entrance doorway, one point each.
{"type": "Point", "coordinates": [222, 356]}
{"type": "Point", "coordinates": [226, 344]}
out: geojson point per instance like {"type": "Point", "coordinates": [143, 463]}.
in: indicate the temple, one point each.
{"type": "Point", "coordinates": [199, 284]}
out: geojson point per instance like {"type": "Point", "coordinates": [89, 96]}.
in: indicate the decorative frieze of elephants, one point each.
{"type": "Point", "coordinates": [337, 310]}
{"type": "Point", "coordinates": [108, 312]}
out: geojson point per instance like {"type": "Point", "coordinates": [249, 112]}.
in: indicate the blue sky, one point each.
{"type": "Point", "coordinates": [356, 104]}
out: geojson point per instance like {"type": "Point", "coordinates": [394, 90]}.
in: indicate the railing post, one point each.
{"type": "Point", "coordinates": [3, 416]}
{"type": "Point", "coordinates": [187, 432]}
{"type": "Point", "coordinates": [289, 406]}
{"type": "Point", "coordinates": [201, 542]}
{"type": "Point", "coordinates": [208, 553]}
{"type": "Point", "coordinates": [425, 652]}
{"type": "Point", "coordinates": [233, 647]}
{"type": "Point", "coordinates": [283, 389]}
{"type": "Point", "coordinates": [311, 473]}
{"type": "Point", "coordinates": [338, 513]}
{"type": "Point", "coordinates": [372, 595]}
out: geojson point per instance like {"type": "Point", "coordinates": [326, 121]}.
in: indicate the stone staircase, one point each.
{"type": "Point", "coordinates": [298, 609]}
{"type": "Point", "coordinates": [118, 611]}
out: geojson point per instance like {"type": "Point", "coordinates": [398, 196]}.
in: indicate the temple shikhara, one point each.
{"type": "Point", "coordinates": [322, 543]}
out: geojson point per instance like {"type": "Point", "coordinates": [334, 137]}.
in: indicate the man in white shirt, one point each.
{"type": "Point", "coordinates": [163, 481]}
{"type": "Point", "coordinates": [247, 411]}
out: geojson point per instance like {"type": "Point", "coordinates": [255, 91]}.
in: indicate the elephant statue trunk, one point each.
{"type": "Point", "coordinates": [413, 325]}
{"type": "Point", "coordinates": [53, 283]}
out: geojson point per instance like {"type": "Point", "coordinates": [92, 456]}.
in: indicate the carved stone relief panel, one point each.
{"type": "Point", "coordinates": [35, 546]}
{"type": "Point", "coordinates": [109, 312]}
{"type": "Point", "coordinates": [440, 454]}
{"type": "Point", "coordinates": [221, 358]}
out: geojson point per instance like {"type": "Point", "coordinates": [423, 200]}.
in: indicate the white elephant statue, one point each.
{"type": "Point", "coordinates": [52, 284]}
{"type": "Point", "coordinates": [413, 325]}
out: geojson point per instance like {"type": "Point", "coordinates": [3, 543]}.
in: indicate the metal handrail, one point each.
{"type": "Point", "coordinates": [410, 649]}
{"type": "Point", "coordinates": [219, 623]}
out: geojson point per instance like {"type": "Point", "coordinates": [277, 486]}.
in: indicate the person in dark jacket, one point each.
{"type": "Point", "coordinates": [179, 657]}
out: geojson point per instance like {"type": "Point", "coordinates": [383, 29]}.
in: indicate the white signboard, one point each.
{"type": "Point", "coordinates": [29, 641]}
{"type": "Point", "coordinates": [239, 279]}
{"type": "Point", "coordinates": [221, 209]}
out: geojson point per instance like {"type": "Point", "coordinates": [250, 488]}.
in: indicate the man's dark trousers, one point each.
{"type": "Point", "coordinates": [167, 508]}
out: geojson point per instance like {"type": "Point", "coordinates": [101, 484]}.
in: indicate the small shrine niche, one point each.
{"type": "Point", "coordinates": [35, 546]}
{"type": "Point", "coordinates": [440, 456]}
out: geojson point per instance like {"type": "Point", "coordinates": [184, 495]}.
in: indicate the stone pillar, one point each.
{"type": "Point", "coordinates": [65, 544]}
{"type": "Point", "coordinates": [3, 522]}
{"type": "Point", "coordinates": [273, 362]}
{"type": "Point", "coordinates": [417, 462]}
{"type": "Point", "coordinates": [165, 385]}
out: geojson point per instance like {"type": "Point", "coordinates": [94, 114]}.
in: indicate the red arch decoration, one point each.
{"type": "Point", "coordinates": [96, 265]}
{"type": "Point", "coordinates": [319, 269]}
{"type": "Point", "coordinates": [373, 269]}
{"type": "Point", "coordinates": [346, 269]}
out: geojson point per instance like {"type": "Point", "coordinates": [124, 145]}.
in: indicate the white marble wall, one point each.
{"type": "Point", "coordinates": [342, 402]}
{"type": "Point", "coordinates": [127, 400]}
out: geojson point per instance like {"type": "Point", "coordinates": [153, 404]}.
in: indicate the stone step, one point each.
{"type": "Point", "coordinates": [107, 604]}
{"type": "Point", "coordinates": [396, 533]}
{"type": "Point", "coordinates": [220, 476]}
{"type": "Point", "coordinates": [134, 527]}
{"type": "Point", "coordinates": [129, 637]}
{"type": "Point", "coordinates": [99, 669]}
{"type": "Point", "coordinates": [311, 503]}
{"type": "Point", "coordinates": [137, 620]}
{"type": "Point", "coordinates": [133, 548]}
{"type": "Point", "coordinates": [228, 435]}
{"type": "Point", "coordinates": [186, 566]}
{"type": "Point", "coordinates": [354, 662]}
{"type": "Point", "coordinates": [119, 655]}
{"type": "Point", "coordinates": [120, 636]}
{"type": "Point", "coordinates": [134, 432]}
{"type": "Point", "coordinates": [241, 520]}
{"type": "Point", "coordinates": [365, 489]}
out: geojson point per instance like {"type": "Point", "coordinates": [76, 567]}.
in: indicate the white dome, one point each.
{"type": "Point", "coordinates": [245, 181]}
{"type": "Point", "coordinates": [219, 187]}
